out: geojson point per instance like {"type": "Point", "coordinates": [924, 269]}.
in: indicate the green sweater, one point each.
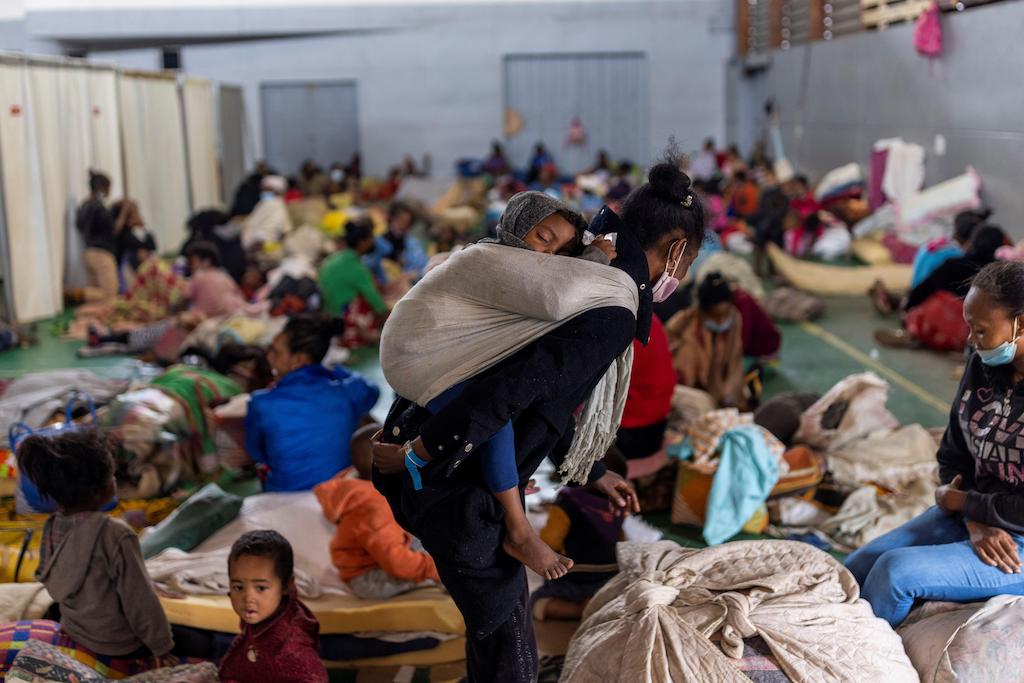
{"type": "Point", "coordinates": [343, 277]}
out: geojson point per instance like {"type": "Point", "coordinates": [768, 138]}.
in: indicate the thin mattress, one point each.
{"type": "Point", "coordinates": [424, 610]}
{"type": "Point", "coordinates": [826, 280]}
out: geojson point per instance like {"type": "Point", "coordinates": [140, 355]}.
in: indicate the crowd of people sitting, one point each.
{"type": "Point", "coordinates": [302, 274]}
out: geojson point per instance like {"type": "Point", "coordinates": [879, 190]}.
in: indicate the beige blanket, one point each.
{"type": "Point", "coordinates": [486, 303]}
{"type": "Point", "coordinates": [653, 622]}
{"type": "Point", "coordinates": [896, 460]}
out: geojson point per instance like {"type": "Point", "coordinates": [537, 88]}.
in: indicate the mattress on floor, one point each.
{"type": "Point", "coordinates": [871, 252]}
{"type": "Point", "coordinates": [445, 653]}
{"type": "Point", "coordinates": [427, 609]}
{"type": "Point", "coordinates": [826, 280]}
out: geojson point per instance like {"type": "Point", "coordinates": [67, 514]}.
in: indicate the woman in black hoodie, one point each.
{"type": "Point", "coordinates": [967, 548]}
{"type": "Point", "coordinates": [538, 388]}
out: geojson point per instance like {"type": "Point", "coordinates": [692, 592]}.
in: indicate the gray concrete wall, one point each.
{"type": "Point", "coordinates": [430, 78]}
{"type": "Point", "coordinates": [142, 59]}
{"type": "Point", "coordinates": [835, 99]}
{"type": "Point", "coordinates": [435, 85]}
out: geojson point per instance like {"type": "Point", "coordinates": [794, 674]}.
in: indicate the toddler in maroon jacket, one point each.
{"type": "Point", "coordinates": [280, 637]}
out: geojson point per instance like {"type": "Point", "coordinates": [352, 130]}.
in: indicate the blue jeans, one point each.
{"type": "Point", "coordinates": [928, 558]}
{"type": "Point", "coordinates": [497, 455]}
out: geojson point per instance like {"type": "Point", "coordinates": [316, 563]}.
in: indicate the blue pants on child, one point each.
{"type": "Point", "coordinates": [928, 558]}
{"type": "Point", "coordinates": [497, 455]}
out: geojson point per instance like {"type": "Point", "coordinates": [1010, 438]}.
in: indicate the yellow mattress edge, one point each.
{"type": "Point", "coordinates": [422, 610]}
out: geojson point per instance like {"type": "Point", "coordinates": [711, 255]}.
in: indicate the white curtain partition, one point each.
{"type": "Point", "coordinates": [61, 118]}
{"type": "Point", "coordinates": [201, 136]}
{"type": "Point", "coordinates": [106, 127]}
{"type": "Point", "coordinates": [91, 139]}
{"type": "Point", "coordinates": [35, 287]}
{"type": "Point", "coordinates": [155, 168]}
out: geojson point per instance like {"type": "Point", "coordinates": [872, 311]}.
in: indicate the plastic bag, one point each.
{"type": "Point", "coordinates": [851, 410]}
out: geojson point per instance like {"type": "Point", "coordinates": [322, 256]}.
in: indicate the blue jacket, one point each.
{"type": "Point", "coordinates": [302, 427]}
{"type": "Point", "coordinates": [414, 259]}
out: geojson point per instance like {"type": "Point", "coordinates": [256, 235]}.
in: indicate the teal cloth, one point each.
{"type": "Point", "coordinates": [747, 472]}
{"type": "Point", "coordinates": [682, 450]}
{"type": "Point", "coordinates": [198, 518]}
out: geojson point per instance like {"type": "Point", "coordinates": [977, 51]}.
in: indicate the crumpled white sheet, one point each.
{"type": "Point", "coordinates": [34, 397]}
{"type": "Point", "coordinates": [950, 642]}
{"type": "Point", "coordinates": [175, 571]}
{"type": "Point", "coordinates": [296, 516]}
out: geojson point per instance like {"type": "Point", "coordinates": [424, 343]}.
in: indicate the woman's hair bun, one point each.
{"type": "Point", "coordinates": [335, 327]}
{"type": "Point", "coordinates": [668, 181]}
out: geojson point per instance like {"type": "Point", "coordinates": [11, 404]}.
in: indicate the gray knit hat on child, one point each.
{"type": "Point", "coordinates": [526, 210]}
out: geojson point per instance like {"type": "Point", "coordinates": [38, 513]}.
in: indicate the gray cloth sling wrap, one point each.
{"type": "Point", "coordinates": [487, 302]}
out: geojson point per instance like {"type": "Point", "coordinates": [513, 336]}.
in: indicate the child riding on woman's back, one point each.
{"type": "Point", "coordinates": [537, 222]}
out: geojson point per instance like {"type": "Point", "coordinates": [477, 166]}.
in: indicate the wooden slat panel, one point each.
{"type": "Point", "coordinates": [886, 12]}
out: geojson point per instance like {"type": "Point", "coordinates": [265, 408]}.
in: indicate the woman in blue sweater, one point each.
{"type": "Point", "coordinates": [301, 427]}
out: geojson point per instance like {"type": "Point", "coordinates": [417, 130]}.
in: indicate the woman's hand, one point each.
{"type": "Point", "coordinates": [388, 458]}
{"type": "Point", "coordinates": [995, 547]}
{"type": "Point", "coordinates": [949, 497]}
{"type": "Point", "coordinates": [606, 246]}
{"type": "Point", "coordinates": [621, 495]}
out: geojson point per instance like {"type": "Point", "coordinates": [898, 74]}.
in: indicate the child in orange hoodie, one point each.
{"type": "Point", "coordinates": [374, 555]}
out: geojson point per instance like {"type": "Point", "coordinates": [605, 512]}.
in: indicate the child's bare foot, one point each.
{"type": "Point", "coordinates": [536, 554]}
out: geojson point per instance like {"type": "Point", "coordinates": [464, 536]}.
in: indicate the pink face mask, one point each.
{"type": "Point", "coordinates": [668, 283]}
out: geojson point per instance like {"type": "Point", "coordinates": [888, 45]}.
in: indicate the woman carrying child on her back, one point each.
{"type": "Point", "coordinates": [539, 223]}
{"type": "Point", "coordinates": [91, 564]}
{"type": "Point", "coordinates": [573, 325]}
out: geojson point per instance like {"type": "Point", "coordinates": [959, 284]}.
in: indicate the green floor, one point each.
{"type": "Point", "coordinates": [922, 383]}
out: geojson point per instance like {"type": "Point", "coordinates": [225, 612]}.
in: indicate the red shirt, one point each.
{"type": "Point", "coordinates": [283, 649]}
{"type": "Point", "coordinates": [653, 381]}
{"type": "Point", "coordinates": [761, 339]}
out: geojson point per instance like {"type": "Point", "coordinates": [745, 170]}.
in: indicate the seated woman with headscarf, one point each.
{"type": "Point", "coordinates": [707, 344]}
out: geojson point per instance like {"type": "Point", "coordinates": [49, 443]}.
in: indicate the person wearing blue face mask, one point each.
{"type": "Point", "coordinates": [968, 547]}
{"type": "Point", "coordinates": [707, 343]}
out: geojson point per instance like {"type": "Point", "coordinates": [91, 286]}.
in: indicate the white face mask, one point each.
{"type": "Point", "coordinates": [668, 283]}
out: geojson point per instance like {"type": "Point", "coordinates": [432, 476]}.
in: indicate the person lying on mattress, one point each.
{"type": "Point", "coordinates": [967, 548]}
{"type": "Point", "coordinates": [560, 339]}
{"type": "Point", "coordinates": [537, 222]}
{"type": "Point", "coordinates": [932, 255]}
{"type": "Point", "coordinates": [280, 638]}
{"type": "Point", "coordinates": [951, 280]}
{"type": "Point", "coordinates": [90, 563]}
{"type": "Point", "coordinates": [300, 429]}
{"type": "Point", "coordinates": [374, 556]}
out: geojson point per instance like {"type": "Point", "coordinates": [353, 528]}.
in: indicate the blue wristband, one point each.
{"type": "Point", "coordinates": [413, 463]}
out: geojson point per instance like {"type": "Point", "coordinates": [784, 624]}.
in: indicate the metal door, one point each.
{"type": "Point", "coordinates": [315, 120]}
{"type": "Point", "coordinates": [231, 114]}
{"type": "Point", "coordinates": [608, 92]}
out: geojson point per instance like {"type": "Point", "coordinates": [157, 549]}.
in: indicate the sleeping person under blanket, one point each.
{"type": "Point", "coordinates": [534, 221]}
